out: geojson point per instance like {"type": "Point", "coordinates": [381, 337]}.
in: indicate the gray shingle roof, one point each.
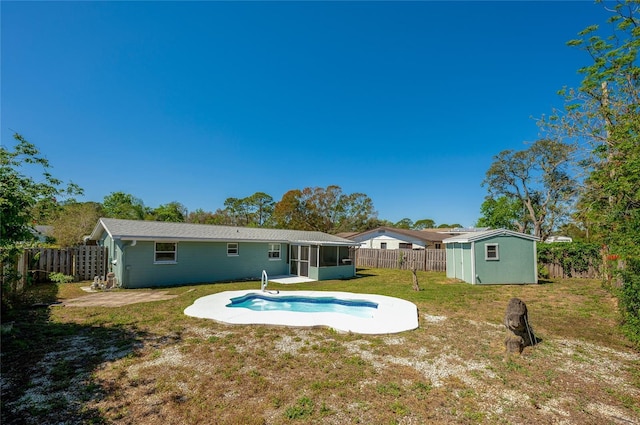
{"type": "Point", "coordinates": [161, 230]}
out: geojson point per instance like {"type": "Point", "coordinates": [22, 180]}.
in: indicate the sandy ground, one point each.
{"type": "Point", "coordinates": [116, 299]}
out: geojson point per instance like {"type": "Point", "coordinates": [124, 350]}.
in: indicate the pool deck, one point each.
{"type": "Point", "coordinates": [393, 315]}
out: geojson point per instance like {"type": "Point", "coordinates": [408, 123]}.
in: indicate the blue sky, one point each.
{"type": "Point", "coordinates": [196, 102]}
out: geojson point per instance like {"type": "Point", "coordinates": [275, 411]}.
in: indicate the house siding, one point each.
{"type": "Point", "coordinates": [199, 262]}
{"type": "Point", "coordinates": [516, 256]}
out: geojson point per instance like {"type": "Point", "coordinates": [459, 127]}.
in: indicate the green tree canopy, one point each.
{"type": "Point", "coordinates": [602, 116]}
{"type": "Point", "coordinates": [324, 209]}
{"type": "Point", "coordinates": [503, 212]}
{"type": "Point", "coordinates": [125, 206]}
{"type": "Point", "coordinates": [20, 192]}
{"type": "Point", "coordinates": [405, 223]}
{"type": "Point", "coordinates": [74, 221]}
{"type": "Point", "coordinates": [173, 211]}
{"type": "Point", "coordinates": [425, 223]}
{"type": "Point", "coordinates": [539, 178]}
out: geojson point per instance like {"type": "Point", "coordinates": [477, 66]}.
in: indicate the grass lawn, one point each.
{"type": "Point", "coordinates": [149, 363]}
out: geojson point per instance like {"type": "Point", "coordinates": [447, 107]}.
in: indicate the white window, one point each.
{"type": "Point", "coordinates": [166, 252]}
{"type": "Point", "coordinates": [383, 245]}
{"type": "Point", "coordinates": [232, 249]}
{"type": "Point", "coordinates": [274, 251]}
{"type": "Point", "coordinates": [491, 252]}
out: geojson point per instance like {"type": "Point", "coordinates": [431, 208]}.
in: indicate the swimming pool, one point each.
{"type": "Point", "coordinates": [391, 315]}
{"type": "Point", "coordinates": [300, 304]}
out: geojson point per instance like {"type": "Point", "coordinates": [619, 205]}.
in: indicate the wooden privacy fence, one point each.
{"type": "Point", "coordinates": [82, 262]}
{"type": "Point", "coordinates": [424, 259]}
{"type": "Point", "coordinates": [556, 271]}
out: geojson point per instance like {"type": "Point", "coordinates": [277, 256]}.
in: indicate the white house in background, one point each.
{"type": "Point", "coordinates": [552, 239]}
{"type": "Point", "coordinates": [392, 238]}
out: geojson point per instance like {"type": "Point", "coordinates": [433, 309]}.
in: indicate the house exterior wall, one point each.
{"type": "Point", "coordinates": [517, 261]}
{"type": "Point", "coordinates": [196, 262]}
{"type": "Point", "coordinates": [392, 242]}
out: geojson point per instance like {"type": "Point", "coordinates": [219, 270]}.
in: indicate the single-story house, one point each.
{"type": "Point", "coordinates": [150, 253]}
{"type": "Point", "coordinates": [492, 256]}
{"type": "Point", "coordinates": [392, 238]}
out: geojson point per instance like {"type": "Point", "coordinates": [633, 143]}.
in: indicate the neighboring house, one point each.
{"type": "Point", "coordinates": [392, 238]}
{"type": "Point", "coordinates": [492, 256]}
{"type": "Point", "coordinates": [552, 239]}
{"type": "Point", "coordinates": [150, 253]}
{"type": "Point", "coordinates": [454, 231]}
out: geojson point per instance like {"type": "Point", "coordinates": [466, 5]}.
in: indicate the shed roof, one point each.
{"type": "Point", "coordinates": [476, 236]}
{"type": "Point", "coordinates": [162, 230]}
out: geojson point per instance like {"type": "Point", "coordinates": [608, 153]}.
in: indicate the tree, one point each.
{"type": "Point", "coordinates": [405, 223]}
{"type": "Point", "coordinates": [261, 207]}
{"type": "Point", "coordinates": [19, 195]}
{"type": "Point", "coordinates": [289, 212]}
{"type": "Point", "coordinates": [173, 211]}
{"type": "Point", "coordinates": [425, 223]}
{"type": "Point", "coordinates": [74, 221]}
{"type": "Point", "coordinates": [539, 178]}
{"type": "Point", "coordinates": [504, 212]}
{"type": "Point", "coordinates": [449, 226]}
{"type": "Point", "coordinates": [324, 209]}
{"type": "Point", "coordinates": [125, 206]}
{"type": "Point", "coordinates": [356, 214]}
{"type": "Point", "coordinates": [603, 117]}
{"type": "Point", "coordinates": [201, 216]}
{"type": "Point", "coordinates": [252, 211]}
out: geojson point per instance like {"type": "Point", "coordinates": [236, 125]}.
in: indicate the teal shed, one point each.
{"type": "Point", "coordinates": [150, 253]}
{"type": "Point", "coordinates": [492, 257]}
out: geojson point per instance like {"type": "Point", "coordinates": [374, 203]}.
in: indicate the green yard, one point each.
{"type": "Point", "coordinates": [149, 363]}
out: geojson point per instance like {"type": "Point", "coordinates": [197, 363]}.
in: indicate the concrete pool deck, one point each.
{"type": "Point", "coordinates": [393, 315]}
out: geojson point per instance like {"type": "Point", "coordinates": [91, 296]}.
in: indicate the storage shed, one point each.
{"type": "Point", "coordinates": [492, 257]}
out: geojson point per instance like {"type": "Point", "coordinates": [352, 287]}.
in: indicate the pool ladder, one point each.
{"type": "Point", "coordinates": [264, 281]}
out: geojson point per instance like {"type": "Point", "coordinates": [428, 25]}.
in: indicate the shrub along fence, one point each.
{"type": "Point", "coordinates": [422, 259]}
{"type": "Point", "coordinates": [570, 259]}
{"type": "Point", "coordinates": [81, 262]}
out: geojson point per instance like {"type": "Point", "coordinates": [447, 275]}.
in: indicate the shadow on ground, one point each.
{"type": "Point", "coordinates": [47, 368]}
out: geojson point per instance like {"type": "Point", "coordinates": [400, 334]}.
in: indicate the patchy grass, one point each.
{"type": "Point", "coordinates": [149, 363]}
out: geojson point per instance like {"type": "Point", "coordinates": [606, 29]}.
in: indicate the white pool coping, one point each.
{"type": "Point", "coordinates": [393, 315]}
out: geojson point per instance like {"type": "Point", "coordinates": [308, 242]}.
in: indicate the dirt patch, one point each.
{"type": "Point", "coordinates": [117, 299]}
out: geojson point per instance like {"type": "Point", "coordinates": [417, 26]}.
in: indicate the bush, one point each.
{"type": "Point", "coordinates": [629, 295]}
{"type": "Point", "coordinates": [61, 278]}
{"type": "Point", "coordinates": [572, 256]}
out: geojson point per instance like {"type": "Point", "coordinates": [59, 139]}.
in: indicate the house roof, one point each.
{"type": "Point", "coordinates": [140, 230]}
{"type": "Point", "coordinates": [476, 236]}
{"type": "Point", "coordinates": [413, 234]}
{"type": "Point", "coordinates": [456, 230]}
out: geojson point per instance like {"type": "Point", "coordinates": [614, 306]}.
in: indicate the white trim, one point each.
{"type": "Point", "coordinates": [474, 278]}
{"type": "Point", "coordinates": [477, 236]}
{"type": "Point", "coordinates": [279, 251]}
{"type": "Point", "coordinates": [486, 252]}
{"type": "Point", "coordinates": [155, 253]}
{"type": "Point", "coordinates": [237, 253]}
{"type": "Point", "coordinates": [535, 261]}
